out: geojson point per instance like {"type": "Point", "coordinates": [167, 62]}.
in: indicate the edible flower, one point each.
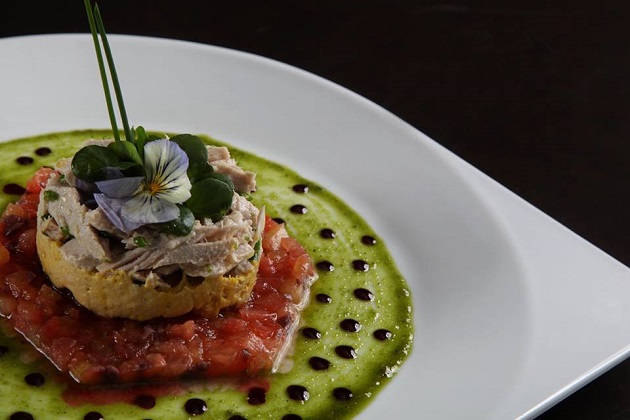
{"type": "Point", "coordinates": [131, 202]}
{"type": "Point", "coordinates": [143, 179]}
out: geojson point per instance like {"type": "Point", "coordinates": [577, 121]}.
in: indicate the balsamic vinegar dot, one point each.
{"type": "Point", "coordinates": [325, 266]}
{"type": "Point", "coordinates": [144, 401]}
{"type": "Point", "coordinates": [323, 298]}
{"type": "Point", "coordinates": [368, 240]}
{"type": "Point", "coordinates": [278, 220]}
{"type": "Point", "coordinates": [13, 189]}
{"type": "Point", "coordinates": [342, 394]}
{"type": "Point", "coordinates": [21, 415]}
{"type": "Point", "coordinates": [93, 415]}
{"type": "Point", "coordinates": [327, 233]}
{"type": "Point", "coordinates": [43, 151]}
{"type": "Point", "coordinates": [25, 160]}
{"type": "Point", "coordinates": [363, 294]}
{"type": "Point", "coordinates": [195, 406]}
{"type": "Point", "coordinates": [291, 417]}
{"type": "Point", "coordinates": [297, 392]}
{"type": "Point", "coordinates": [298, 209]}
{"type": "Point", "coordinates": [346, 352]}
{"type": "Point", "coordinates": [350, 325]}
{"type": "Point", "coordinates": [35, 379]}
{"type": "Point", "coordinates": [360, 265]}
{"type": "Point", "coordinates": [3, 350]}
{"type": "Point", "coordinates": [311, 333]}
{"type": "Point", "coordinates": [318, 363]}
{"type": "Point", "coordinates": [256, 396]}
{"type": "Point", "coordinates": [300, 188]}
{"type": "Point", "coordinates": [383, 335]}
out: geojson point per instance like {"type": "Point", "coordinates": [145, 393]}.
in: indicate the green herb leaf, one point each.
{"type": "Point", "coordinates": [211, 197]}
{"type": "Point", "coordinates": [140, 241]}
{"type": "Point", "coordinates": [125, 151]}
{"type": "Point", "coordinates": [181, 226]}
{"type": "Point", "coordinates": [91, 162]}
{"type": "Point", "coordinates": [219, 177]}
{"type": "Point", "coordinates": [50, 195]}
{"type": "Point", "coordinates": [197, 154]}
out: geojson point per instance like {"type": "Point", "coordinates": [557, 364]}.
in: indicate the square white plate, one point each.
{"type": "Point", "coordinates": [512, 310]}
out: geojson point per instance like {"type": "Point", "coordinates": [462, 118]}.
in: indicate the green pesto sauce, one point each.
{"type": "Point", "coordinates": [376, 360]}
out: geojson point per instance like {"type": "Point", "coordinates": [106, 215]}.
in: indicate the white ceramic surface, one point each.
{"type": "Point", "coordinates": [512, 311]}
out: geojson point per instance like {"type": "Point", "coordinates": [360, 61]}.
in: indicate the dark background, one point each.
{"type": "Point", "coordinates": [534, 93]}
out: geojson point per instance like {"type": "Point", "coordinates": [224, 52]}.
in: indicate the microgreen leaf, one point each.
{"type": "Point", "coordinates": [197, 154]}
{"type": "Point", "coordinates": [50, 195]}
{"type": "Point", "coordinates": [181, 226]}
{"type": "Point", "coordinates": [125, 151]}
{"type": "Point", "coordinates": [91, 163]}
{"type": "Point", "coordinates": [140, 241]}
{"type": "Point", "coordinates": [210, 197]}
{"type": "Point", "coordinates": [219, 177]}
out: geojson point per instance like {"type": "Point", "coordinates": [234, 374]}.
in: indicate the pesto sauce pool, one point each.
{"type": "Point", "coordinates": [356, 331]}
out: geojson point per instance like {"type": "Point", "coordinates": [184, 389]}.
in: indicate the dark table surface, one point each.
{"type": "Point", "coordinates": [534, 93]}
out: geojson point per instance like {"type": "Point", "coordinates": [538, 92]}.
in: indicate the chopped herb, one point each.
{"type": "Point", "coordinates": [140, 241]}
{"type": "Point", "coordinates": [66, 233]}
{"type": "Point", "coordinates": [50, 195]}
{"type": "Point", "coordinates": [257, 247]}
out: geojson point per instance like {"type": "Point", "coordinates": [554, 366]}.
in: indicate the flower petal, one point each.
{"type": "Point", "coordinates": [112, 209]}
{"type": "Point", "coordinates": [144, 208]}
{"type": "Point", "coordinates": [121, 187]}
{"type": "Point", "coordinates": [166, 164]}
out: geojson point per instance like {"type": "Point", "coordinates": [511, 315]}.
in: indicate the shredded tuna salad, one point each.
{"type": "Point", "coordinates": [211, 249]}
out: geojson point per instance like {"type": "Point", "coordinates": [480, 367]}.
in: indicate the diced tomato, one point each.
{"type": "Point", "coordinates": [238, 342]}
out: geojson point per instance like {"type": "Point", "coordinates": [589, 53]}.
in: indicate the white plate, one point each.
{"type": "Point", "coordinates": [512, 311]}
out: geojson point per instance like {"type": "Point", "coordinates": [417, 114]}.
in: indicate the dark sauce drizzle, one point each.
{"type": "Point", "coordinates": [144, 401]}
{"type": "Point", "coordinates": [291, 417]}
{"type": "Point", "coordinates": [195, 406]}
{"type": "Point", "coordinates": [43, 151]}
{"type": "Point", "coordinates": [312, 333]}
{"type": "Point", "coordinates": [325, 266]}
{"type": "Point", "coordinates": [346, 352]}
{"type": "Point", "coordinates": [35, 379]}
{"type": "Point", "coordinates": [300, 188]}
{"type": "Point", "coordinates": [298, 393]}
{"type": "Point", "coordinates": [327, 233]}
{"type": "Point", "coordinates": [350, 325]}
{"type": "Point", "coordinates": [342, 394]}
{"type": "Point", "coordinates": [13, 189]}
{"type": "Point", "coordinates": [21, 415]}
{"type": "Point", "coordinates": [3, 350]}
{"type": "Point", "coordinates": [363, 294]}
{"type": "Point", "coordinates": [256, 396]}
{"type": "Point", "coordinates": [298, 209]}
{"type": "Point", "coordinates": [360, 265]}
{"type": "Point", "coordinates": [318, 363]}
{"type": "Point", "coordinates": [93, 415]}
{"type": "Point", "coordinates": [323, 298]}
{"type": "Point", "coordinates": [25, 160]}
{"type": "Point", "coordinates": [279, 220]}
{"type": "Point", "coordinates": [383, 335]}
{"type": "Point", "coordinates": [368, 240]}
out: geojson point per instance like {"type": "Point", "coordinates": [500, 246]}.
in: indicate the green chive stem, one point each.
{"type": "Point", "coordinates": [113, 73]}
{"type": "Point", "coordinates": [101, 66]}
